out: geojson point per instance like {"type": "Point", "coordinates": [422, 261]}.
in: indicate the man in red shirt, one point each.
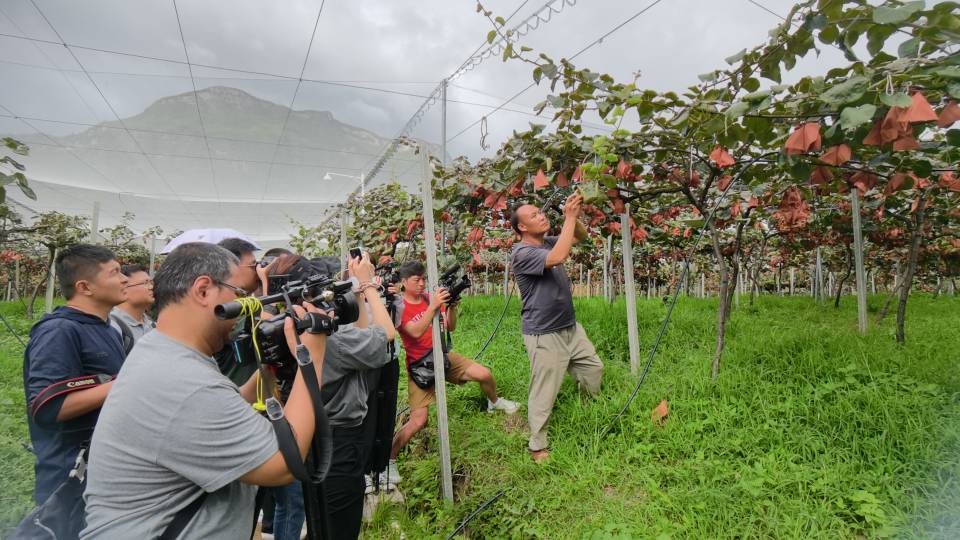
{"type": "Point", "coordinates": [414, 319]}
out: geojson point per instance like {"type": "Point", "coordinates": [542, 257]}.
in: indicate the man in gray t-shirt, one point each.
{"type": "Point", "coordinates": [174, 427]}
{"type": "Point", "coordinates": [556, 343]}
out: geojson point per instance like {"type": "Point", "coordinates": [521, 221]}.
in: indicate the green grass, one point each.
{"type": "Point", "coordinates": [811, 431]}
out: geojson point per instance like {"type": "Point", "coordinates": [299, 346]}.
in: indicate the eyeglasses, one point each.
{"type": "Point", "coordinates": [146, 284]}
{"type": "Point", "coordinates": [236, 290]}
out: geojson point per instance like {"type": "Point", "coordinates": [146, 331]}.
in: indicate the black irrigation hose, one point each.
{"type": "Point", "coordinates": [673, 301]}
{"type": "Point", "coordinates": [473, 514]}
{"type": "Point", "coordinates": [499, 322]}
{"type": "Point", "coordinates": [12, 331]}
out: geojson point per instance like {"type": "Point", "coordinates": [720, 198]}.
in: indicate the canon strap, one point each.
{"type": "Point", "coordinates": [65, 387]}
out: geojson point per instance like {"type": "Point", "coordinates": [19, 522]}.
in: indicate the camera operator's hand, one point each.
{"type": "Point", "coordinates": [439, 298]}
{"type": "Point", "coordinates": [396, 288]}
{"type": "Point", "coordinates": [315, 343]}
{"type": "Point", "coordinates": [263, 273]}
{"type": "Point", "coordinates": [361, 268]}
{"type": "Point", "coordinates": [572, 206]}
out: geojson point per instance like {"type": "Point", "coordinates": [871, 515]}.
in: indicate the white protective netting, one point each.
{"type": "Point", "coordinates": [231, 114]}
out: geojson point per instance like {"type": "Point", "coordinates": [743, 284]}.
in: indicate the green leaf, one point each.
{"type": "Point", "coordinates": [954, 90]}
{"type": "Point", "coordinates": [949, 72]}
{"type": "Point", "coordinates": [491, 35]}
{"type": "Point", "coordinates": [877, 37]}
{"type": "Point", "coordinates": [737, 109]}
{"type": "Point", "coordinates": [829, 34]}
{"type": "Point", "coordinates": [922, 168]}
{"type": "Point", "coordinates": [708, 77]}
{"type": "Point", "coordinates": [848, 91]}
{"type": "Point", "coordinates": [501, 21]}
{"type": "Point", "coordinates": [909, 48]}
{"type": "Point", "coordinates": [898, 99]}
{"type": "Point", "coordinates": [894, 15]}
{"type": "Point", "coordinates": [736, 57]}
{"type": "Point", "coordinates": [854, 117]}
{"type": "Point", "coordinates": [953, 137]}
{"type": "Point", "coordinates": [756, 96]}
{"type": "Point", "coordinates": [28, 192]}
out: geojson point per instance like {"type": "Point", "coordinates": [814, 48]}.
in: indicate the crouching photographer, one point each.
{"type": "Point", "coordinates": [178, 450]}
{"type": "Point", "coordinates": [354, 357]}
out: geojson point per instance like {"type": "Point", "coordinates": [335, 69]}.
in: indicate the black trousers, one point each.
{"type": "Point", "coordinates": [344, 484]}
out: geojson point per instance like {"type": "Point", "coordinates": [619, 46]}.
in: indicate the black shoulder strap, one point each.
{"type": "Point", "coordinates": [183, 517]}
{"type": "Point", "coordinates": [64, 387]}
{"type": "Point", "coordinates": [125, 333]}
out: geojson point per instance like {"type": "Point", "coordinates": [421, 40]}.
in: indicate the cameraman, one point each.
{"type": "Point", "coordinates": [354, 356]}
{"type": "Point", "coordinates": [414, 319]}
{"type": "Point", "coordinates": [175, 431]}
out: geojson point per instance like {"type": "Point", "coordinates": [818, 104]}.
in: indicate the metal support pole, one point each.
{"type": "Point", "coordinates": [343, 240]}
{"type": "Point", "coordinates": [589, 287]}
{"type": "Point", "coordinates": [443, 153]}
{"type": "Point", "coordinates": [51, 280]}
{"type": "Point", "coordinates": [793, 273]}
{"type": "Point", "coordinates": [858, 257]}
{"type": "Point", "coordinates": [433, 275]}
{"type": "Point", "coordinates": [631, 291]}
{"type": "Point", "coordinates": [506, 273]}
{"type": "Point", "coordinates": [95, 223]}
{"type": "Point", "coordinates": [153, 254]}
{"type": "Point", "coordinates": [606, 267]}
{"type": "Point", "coordinates": [581, 280]}
{"type": "Point", "coordinates": [819, 276]}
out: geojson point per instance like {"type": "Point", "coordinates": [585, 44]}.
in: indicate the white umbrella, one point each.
{"type": "Point", "coordinates": [210, 236]}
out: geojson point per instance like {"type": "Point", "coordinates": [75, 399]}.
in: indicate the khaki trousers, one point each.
{"type": "Point", "coordinates": [551, 355]}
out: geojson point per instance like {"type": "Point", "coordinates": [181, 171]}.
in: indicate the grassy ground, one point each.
{"type": "Point", "coordinates": [811, 431]}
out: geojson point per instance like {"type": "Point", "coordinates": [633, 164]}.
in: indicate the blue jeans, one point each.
{"type": "Point", "coordinates": [289, 514]}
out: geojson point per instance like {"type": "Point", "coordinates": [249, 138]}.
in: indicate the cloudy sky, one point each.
{"type": "Point", "coordinates": [370, 62]}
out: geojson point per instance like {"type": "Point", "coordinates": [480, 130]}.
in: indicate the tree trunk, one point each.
{"type": "Point", "coordinates": [723, 310]}
{"type": "Point", "coordinates": [916, 240]}
{"type": "Point", "coordinates": [836, 300]}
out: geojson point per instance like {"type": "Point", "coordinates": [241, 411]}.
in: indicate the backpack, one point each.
{"type": "Point", "coordinates": [126, 336]}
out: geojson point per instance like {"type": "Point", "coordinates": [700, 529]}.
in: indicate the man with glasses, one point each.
{"type": "Point", "coordinates": [237, 362]}
{"type": "Point", "coordinates": [130, 318]}
{"type": "Point", "coordinates": [177, 442]}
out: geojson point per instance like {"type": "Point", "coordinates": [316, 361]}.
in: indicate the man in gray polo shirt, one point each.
{"type": "Point", "coordinates": [175, 428]}
{"type": "Point", "coordinates": [130, 318]}
{"type": "Point", "coordinates": [555, 341]}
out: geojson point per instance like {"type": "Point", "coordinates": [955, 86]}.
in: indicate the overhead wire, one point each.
{"type": "Point", "coordinates": [474, 60]}
{"type": "Point", "coordinates": [286, 117]}
{"type": "Point", "coordinates": [102, 96]}
{"type": "Point", "coordinates": [196, 99]}
{"type": "Point", "coordinates": [578, 53]}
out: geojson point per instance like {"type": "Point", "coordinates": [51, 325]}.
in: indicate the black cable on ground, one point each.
{"type": "Point", "coordinates": [474, 514]}
{"type": "Point", "coordinates": [499, 322]}
{"type": "Point", "coordinates": [673, 301]}
{"type": "Point", "coordinates": [12, 331]}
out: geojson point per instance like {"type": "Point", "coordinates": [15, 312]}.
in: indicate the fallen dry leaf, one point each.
{"type": "Point", "coordinates": [659, 414]}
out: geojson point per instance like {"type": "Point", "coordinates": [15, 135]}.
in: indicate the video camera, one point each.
{"type": "Point", "coordinates": [323, 292]}
{"type": "Point", "coordinates": [455, 286]}
{"type": "Point", "coordinates": [389, 276]}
